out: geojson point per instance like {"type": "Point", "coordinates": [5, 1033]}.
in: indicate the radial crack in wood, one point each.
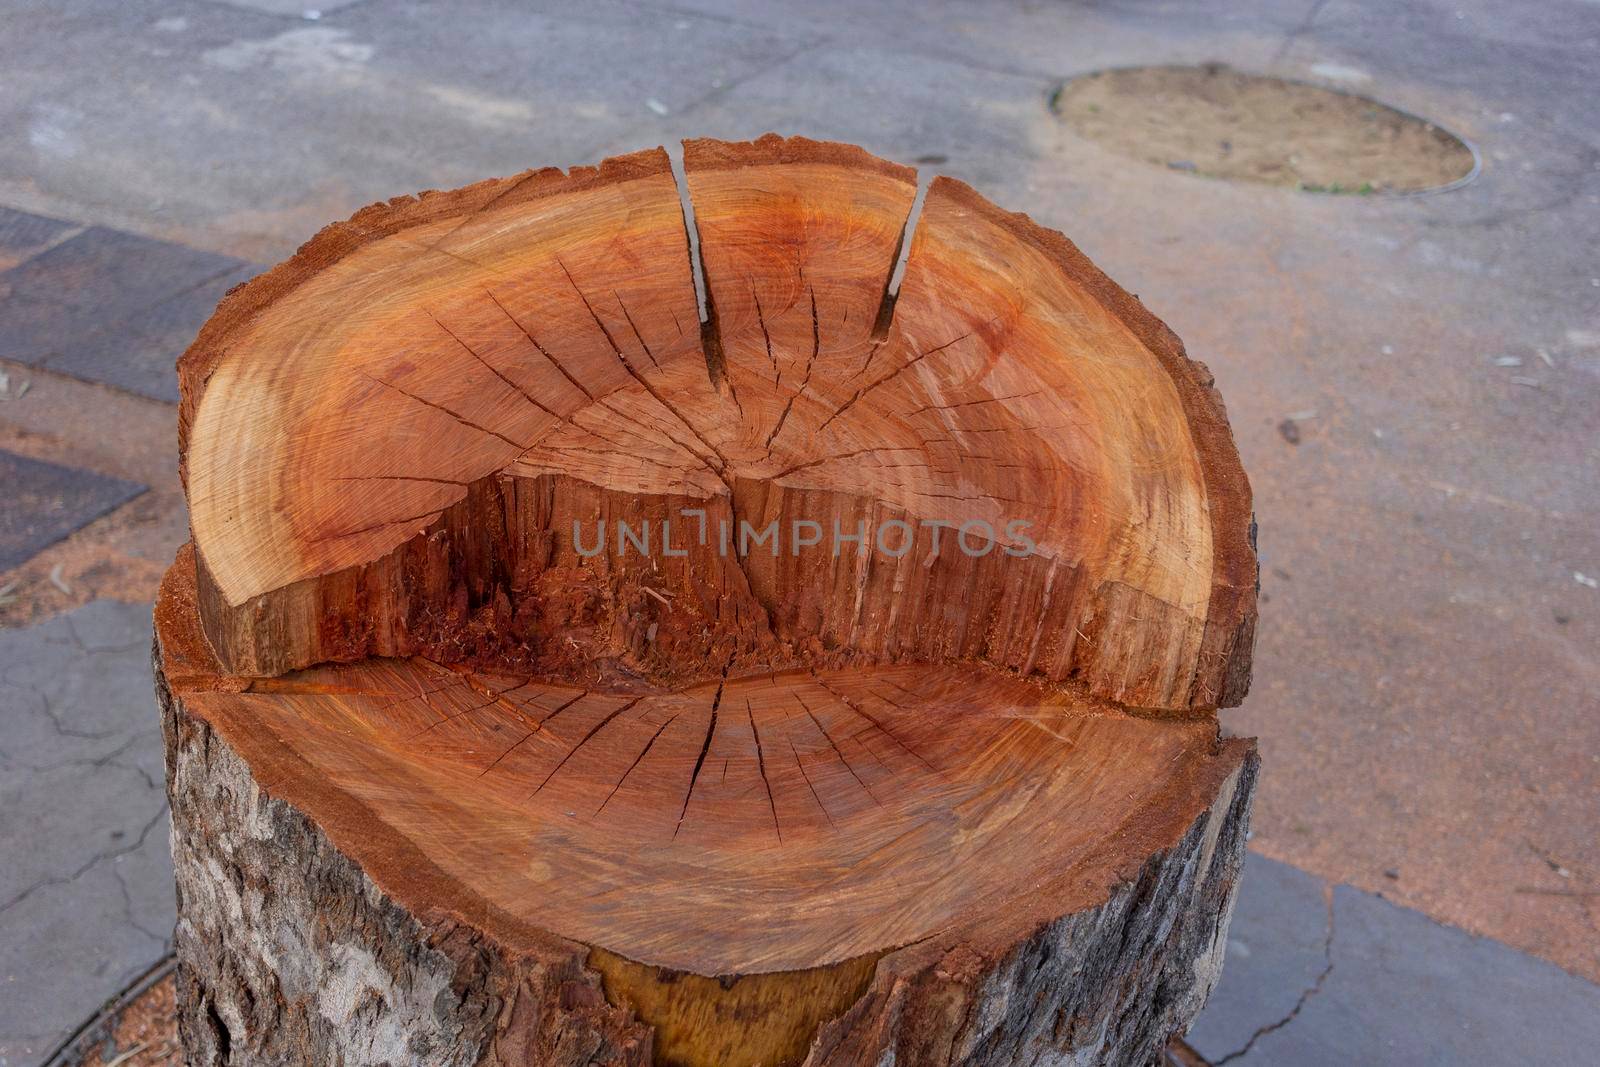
{"type": "Point", "coordinates": [740, 884]}
{"type": "Point", "coordinates": [551, 332]}
{"type": "Point", "coordinates": [556, 679]}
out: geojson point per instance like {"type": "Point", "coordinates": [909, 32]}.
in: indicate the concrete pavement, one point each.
{"type": "Point", "coordinates": [1427, 679]}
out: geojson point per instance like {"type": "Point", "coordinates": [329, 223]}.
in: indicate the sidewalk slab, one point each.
{"type": "Point", "coordinates": [86, 894]}
{"type": "Point", "coordinates": [24, 235]}
{"type": "Point", "coordinates": [112, 274]}
{"type": "Point", "coordinates": [1277, 948]}
{"type": "Point", "coordinates": [1328, 975]}
{"type": "Point", "coordinates": [940, 116]}
{"type": "Point", "coordinates": [270, 127]}
{"type": "Point", "coordinates": [140, 353]}
{"type": "Point", "coordinates": [112, 307]}
{"type": "Point", "coordinates": [45, 502]}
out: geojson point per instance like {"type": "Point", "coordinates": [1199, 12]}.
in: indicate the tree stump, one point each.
{"type": "Point", "coordinates": [560, 676]}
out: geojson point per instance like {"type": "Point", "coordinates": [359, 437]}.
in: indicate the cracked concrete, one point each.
{"type": "Point", "coordinates": [1426, 674]}
{"type": "Point", "coordinates": [86, 897]}
{"type": "Point", "coordinates": [1305, 994]}
{"type": "Point", "coordinates": [1322, 974]}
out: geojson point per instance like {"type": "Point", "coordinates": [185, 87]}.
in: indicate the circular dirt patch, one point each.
{"type": "Point", "coordinates": [1216, 121]}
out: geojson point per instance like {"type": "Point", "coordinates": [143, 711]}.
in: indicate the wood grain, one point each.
{"type": "Point", "coordinates": [548, 329]}
{"type": "Point", "coordinates": [804, 881]}
{"type": "Point", "coordinates": [957, 796]}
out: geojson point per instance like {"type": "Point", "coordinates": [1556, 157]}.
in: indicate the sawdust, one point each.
{"type": "Point", "coordinates": [145, 1033]}
{"type": "Point", "coordinates": [1221, 123]}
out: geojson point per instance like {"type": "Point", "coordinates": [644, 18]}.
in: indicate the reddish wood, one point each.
{"type": "Point", "coordinates": [445, 778]}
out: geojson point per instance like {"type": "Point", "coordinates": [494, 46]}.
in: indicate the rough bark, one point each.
{"type": "Point", "coordinates": [289, 954]}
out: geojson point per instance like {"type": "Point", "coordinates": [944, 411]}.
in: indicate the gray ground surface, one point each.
{"type": "Point", "coordinates": [1322, 974]}
{"type": "Point", "coordinates": [86, 897]}
{"type": "Point", "coordinates": [1427, 685]}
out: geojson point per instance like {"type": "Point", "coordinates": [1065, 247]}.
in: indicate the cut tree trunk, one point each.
{"type": "Point", "coordinates": [560, 676]}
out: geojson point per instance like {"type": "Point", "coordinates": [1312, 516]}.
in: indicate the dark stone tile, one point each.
{"type": "Point", "coordinates": [44, 502]}
{"type": "Point", "coordinates": [113, 274]}
{"type": "Point", "coordinates": [112, 307]}
{"type": "Point", "coordinates": [23, 235]}
{"type": "Point", "coordinates": [31, 328]}
{"type": "Point", "coordinates": [139, 353]}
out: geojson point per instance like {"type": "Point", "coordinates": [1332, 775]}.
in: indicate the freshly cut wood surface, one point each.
{"type": "Point", "coordinates": [494, 739]}
{"type": "Point", "coordinates": [765, 823]}
{"type": "Point", "coordinates": [342, 412]}
{"type": "Point", "coordinates": [738, 862]}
